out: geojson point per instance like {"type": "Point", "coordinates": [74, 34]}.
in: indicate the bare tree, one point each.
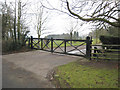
{"type": "Point", "coordinates": [21, 25]}
{"type": "Point", "coordinates": [7, 21]}
{"type": "Point", "coordinates": [42, 16]}
{"type": "Point", "coordinates": [11, 21]}
{"type": "Point", "coordinates": [103, 13]}
{"type": "Point", "coordinates": [18, 19]}
{"type": "Point", "coordinates": [73, 26]}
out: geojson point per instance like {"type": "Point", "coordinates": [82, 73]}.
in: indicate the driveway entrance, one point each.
{"type": "Point", "coordinates": [38, 63]}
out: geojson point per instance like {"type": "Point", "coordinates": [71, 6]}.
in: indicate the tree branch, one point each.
{"type": "Point", "coordinates": [115, 24]}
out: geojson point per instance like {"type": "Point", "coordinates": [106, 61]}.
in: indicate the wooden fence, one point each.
{"type": "Point", "coordinates": [105, 52]}
{"type": "Point", "coordinates": [62, 46]}
{"type": "Point", "coordinates": [97, 52]}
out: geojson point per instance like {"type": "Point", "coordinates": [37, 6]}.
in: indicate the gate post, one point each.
{"type": "Point", "coordinates": [41, 44]}
{"type": "Point", "coordinates": [88, 47]}
{"type": "Point", "coordinates": [31, 42]}
{"type": "Point", "coordinates": [52, 45]}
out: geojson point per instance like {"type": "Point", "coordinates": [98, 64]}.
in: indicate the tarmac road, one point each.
{"type": "Point", "coordinates": [29, 69]}
{"type": "Point", "coordinates": [14, 77]}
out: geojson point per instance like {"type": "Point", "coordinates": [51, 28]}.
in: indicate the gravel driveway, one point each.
{"type": "Point", "coordinates": [38, 63]}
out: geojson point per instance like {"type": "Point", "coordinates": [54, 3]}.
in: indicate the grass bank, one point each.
{"type": "Point", "coordinates": [74, 75]}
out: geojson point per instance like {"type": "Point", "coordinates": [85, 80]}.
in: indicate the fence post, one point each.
{"type": "Point", "coordinates": [88, 47]}
{"type": "Point", "coordinates": [41, 43]}
{"type": "Point", "coordinates": [52, 45]}
{"type": "Point", "coordinates": [31, 42]}
{"type": "Point", "coordinates": [65, 46]}
{"type": "Point", "coordinates": [95, 51]}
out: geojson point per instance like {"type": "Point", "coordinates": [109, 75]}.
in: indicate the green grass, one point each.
{"type": "Point", "coordinates": [67, 44]}
{"type": "Point", "coordinates": [95, 41]}
{"type": "Point", "coordinates": [78, 76]}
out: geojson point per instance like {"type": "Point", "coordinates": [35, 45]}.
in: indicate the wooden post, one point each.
{"type": "Point", "coordinates": [88, 47]}
{"type": "Point", "coordinates": [41, 43]}
{"type": "Point", "coordinates": [52, 45]}
{"type": "Point", "coordinates": [65, 46]}
{"type": "Point", "coordinates": [95, 51]}
{"type": "Point", "coordinates": [31, 42]}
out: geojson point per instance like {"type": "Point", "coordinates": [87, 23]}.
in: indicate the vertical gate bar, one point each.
{"type": "Point", "coordinates": [28, 42]}
{"type": "Point", "coordinates": [31, 42]}
{"type": "Point", "coordinates": [65, 46]}
{"type": "Point", "coordinates": [52, 45]}
{"type": "Point", "coordinates": [41, 43]}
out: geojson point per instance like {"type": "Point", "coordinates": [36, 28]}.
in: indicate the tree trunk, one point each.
{"type": "Point", "coordinates": [19, 16]}
{"type": "Point", "coordinates": [71, 36]}
{"type": "Point", "coordinates": [15, 23]}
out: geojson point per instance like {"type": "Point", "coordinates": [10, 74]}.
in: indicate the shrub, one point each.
{"type": "Point", "coordinates": [10, 45]}
{"type": "Point", "coordinates": [110, 40]}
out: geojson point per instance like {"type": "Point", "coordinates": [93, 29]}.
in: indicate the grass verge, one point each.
{"type": "Point", "coordinates": [74, 75]}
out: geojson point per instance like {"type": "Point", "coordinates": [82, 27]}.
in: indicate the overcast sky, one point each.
{"type": "Point", "coordinates": [58, 23]}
